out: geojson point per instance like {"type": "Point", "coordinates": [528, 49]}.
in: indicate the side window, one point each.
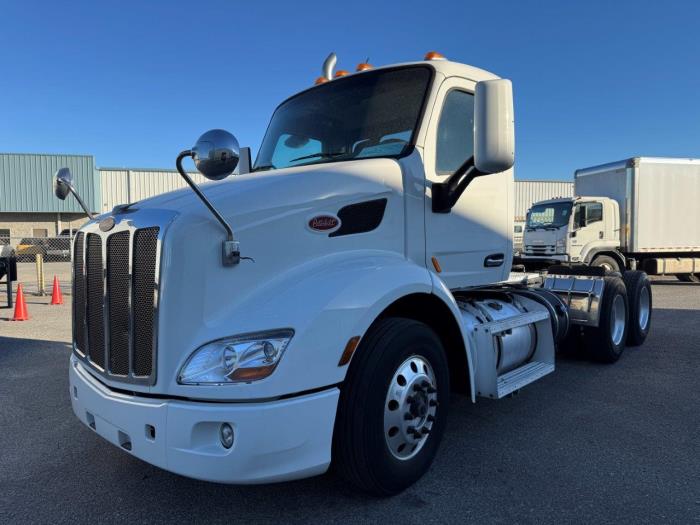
{"type": "Point", "coordinates": [594, 212]}
{"type": "Point", "coordinates": [455, 135]}
{"type": "Point", "coordinates": [577, 216]}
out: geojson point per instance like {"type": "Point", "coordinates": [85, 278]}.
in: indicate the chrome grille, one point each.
{"type": "Point", "coordinates": [114, 332]}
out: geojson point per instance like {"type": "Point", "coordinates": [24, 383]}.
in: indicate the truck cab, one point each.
{"type": "Point", "coordinates": [573, 230]}
{"type": "Point", "coordinates": [322, 305]}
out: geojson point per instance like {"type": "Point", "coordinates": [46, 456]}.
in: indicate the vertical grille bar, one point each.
{"type": "Point", "coordinates": [79, 293]}
{"type": "Point", "coordinates": [118, 284]}
{"type": "Point", "coordinates": [95, 300]}
{"type": "Point", "coordinates": [144, 298]}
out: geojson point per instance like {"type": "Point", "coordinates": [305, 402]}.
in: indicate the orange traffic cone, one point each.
{"type": "Point", "coordinates": [56, 296]}
{"type": "Point", "coordinates": [21, 313]}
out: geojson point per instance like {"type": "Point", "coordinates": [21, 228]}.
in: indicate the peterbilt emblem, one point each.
{"type": "Point", "coordinates": [107, 224]}
{"type": "Point", "coordinates": [324, 223]}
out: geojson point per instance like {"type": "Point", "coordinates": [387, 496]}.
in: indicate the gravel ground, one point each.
{"type": "Point", "coordinates": [588, 444]}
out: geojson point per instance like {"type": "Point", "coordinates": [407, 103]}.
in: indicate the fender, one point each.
{"type": "Point", "coordinates": [326, 301]}
{"type": "Point", "coordinates": [441, 291]}
{"type": "Point", "coordinates": [590, 250]}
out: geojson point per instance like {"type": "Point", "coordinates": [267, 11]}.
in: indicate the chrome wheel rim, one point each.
{"type": "Point", "coordinates": [644, 308]}
{"type": "Point", "coordinates": [617, 325]}
{"type": "Point", "coordinates": [410, 407]}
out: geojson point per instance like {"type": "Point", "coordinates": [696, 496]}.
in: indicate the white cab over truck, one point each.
{"type": "Point", "coordinates": [638, 213]}
{"type": "Point", "coordinates": [322, 307]}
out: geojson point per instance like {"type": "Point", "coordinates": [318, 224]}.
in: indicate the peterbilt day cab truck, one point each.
{"type": "Point", "coordinates": [637, 213]}
{"type": "Point", "coordinates": [322, 306]}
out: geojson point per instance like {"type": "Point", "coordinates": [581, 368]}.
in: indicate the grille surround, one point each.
{"type": "Point", "coordinates": [120, 267]}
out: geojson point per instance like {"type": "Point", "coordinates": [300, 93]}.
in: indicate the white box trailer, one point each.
{"type": "Point", "coordinates": [658, 200]}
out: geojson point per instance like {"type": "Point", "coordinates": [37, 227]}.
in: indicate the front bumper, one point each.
{"type": "Point", "coordinates": [274, 441]}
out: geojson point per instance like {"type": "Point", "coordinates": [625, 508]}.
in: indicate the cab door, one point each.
{"type": "Point", "coordinates": [472, 243]}
{"type": "Point", "coordinates": [588, 227]}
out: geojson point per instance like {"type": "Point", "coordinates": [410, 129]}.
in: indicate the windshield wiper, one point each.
{"type": "Point", "coordinates": [321, 155]}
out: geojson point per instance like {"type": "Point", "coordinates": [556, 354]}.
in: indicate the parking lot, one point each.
{"type": "Point", "coordinates": [588, 444]}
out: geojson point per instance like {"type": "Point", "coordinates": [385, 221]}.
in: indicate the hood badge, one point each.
{"type": "Point", "coordinates": [324, 223]}
{"type": "Point", "coordinates": [107, 224]}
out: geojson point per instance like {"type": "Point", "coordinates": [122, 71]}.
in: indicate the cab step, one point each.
{"type": "Point", "coordinates": [518, 378]}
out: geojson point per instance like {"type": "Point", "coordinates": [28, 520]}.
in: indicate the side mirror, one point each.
{"type": "Point", "coordinates": [216, 154]}
{"type": "Point", "coordinates": [63, 181]}
{"type": "Point", "coordinates": [494, 128]}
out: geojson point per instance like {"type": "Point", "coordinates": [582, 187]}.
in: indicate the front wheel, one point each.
{"type": "Point", "coordinates": [393, 407]}
{"type": "Point", "coordinates": [607, 262]}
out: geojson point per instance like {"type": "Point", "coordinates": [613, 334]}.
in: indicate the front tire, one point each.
{"type": "Point", "coordinates": [607, 262]}
{"type": "Point", "coordinates": [606, 342]}
{"type": "Point", "coordinates": [640, 306]}
{"type": "Point", "coordinates": [393, 407]}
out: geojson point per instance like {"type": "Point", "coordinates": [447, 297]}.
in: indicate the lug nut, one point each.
{"type": "Point", "coordinates": [425, 431]}
{"type": "Point", "coordinates": [417, 387]}
{"type": "Point", "coordinates": [408, 417]}
{"type": "Point", "coordinates": [425, 384]}
{"type": "Point", "coordinates": [431, 390]}
{"type": "Point", "coordinates": [430, 418]}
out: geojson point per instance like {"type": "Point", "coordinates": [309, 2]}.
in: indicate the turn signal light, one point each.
{"type": "Point", "coordinates": [349, 350]}
{"type": "Point", "coordinates": [320, 80]}
{"type": "Point", "coordinates": [364, 66]}
{"type": "Point", "coordinates": [434, 55]}
{"type": "Point", "coordinates": [341, 73]}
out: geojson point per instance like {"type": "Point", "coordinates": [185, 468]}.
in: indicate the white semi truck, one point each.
{"type": "Point", "coordinates": [321, 307]}
{"type": "Point", "coordinates": [637, 213]}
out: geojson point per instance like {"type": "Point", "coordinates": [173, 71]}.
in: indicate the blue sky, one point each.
{"type": "Point", "coordinates": [134, 83]}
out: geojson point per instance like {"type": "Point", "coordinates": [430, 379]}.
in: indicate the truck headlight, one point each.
{"type": "Point", "coordinates": [236, 359]}
{"type": "Point", "coordinates": [561, 246]}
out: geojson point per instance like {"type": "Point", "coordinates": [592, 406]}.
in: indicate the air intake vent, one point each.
{"type": "Point", "coordinates": [79, 293]}
{"type": "Point", "coordinates": [145, 247]}
{"type": "Point", "coordinates": [95, 300]}
{"type": "Point", "coordinates": [118, 301]}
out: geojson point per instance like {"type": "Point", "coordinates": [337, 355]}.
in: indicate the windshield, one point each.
{"type": "Point", "coordinates": [550, 215]}
{"type": "Point", "coordinates": [371, 114]}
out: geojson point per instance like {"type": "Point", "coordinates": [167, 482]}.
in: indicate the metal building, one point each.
{"type": "Point", "coordinates": [28, 207]}
{"type": "Point", "coordinates": [528, 192]}
{"type": "Point", "coordinates": [125, 185]}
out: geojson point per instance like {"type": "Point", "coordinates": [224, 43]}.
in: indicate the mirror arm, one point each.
{"type": "Point", "coordinates": [230, 250]}
{"type": "Point", "coordinates": [80, 200]}
{"type": "Point", "coordinates": [446, 194]}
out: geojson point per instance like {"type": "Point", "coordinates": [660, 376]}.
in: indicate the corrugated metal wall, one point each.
{"type": "Point", "coordinates": [26, 182]}
{"type": "Point", "coordinates": [528, 192]}
{"type": "Point", "coordinates": [123, 185]}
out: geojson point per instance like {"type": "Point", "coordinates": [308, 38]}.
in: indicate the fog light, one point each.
{"type": "Point", "coordinates": [226, 435]}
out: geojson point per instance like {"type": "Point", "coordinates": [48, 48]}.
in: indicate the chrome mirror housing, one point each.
{"type": "Point", "coordinates": [63, 181]}
{"type": "Point", "coordinates": [216, 154]}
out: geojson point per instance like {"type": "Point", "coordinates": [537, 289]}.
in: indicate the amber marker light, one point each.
{"type": "Point", "coordinates": [341, 73]}
{"type": "Point", "coordinates": [364, 66]}
{"type": "Point", "coordinates": [320, 80]}
{"type": "Point", "coordinates": [349, 350]}
{"type": "Point", "coordinates": [434, 55]}
{"type": "Point", "coordinates": [436, 264]}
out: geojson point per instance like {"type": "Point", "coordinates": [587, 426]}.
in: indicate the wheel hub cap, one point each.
{"type": "Point", "coordinates": [410, 408]}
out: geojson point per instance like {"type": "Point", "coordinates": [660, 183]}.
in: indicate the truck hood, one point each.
{"type": "Point", "coordinates": [263, 196]}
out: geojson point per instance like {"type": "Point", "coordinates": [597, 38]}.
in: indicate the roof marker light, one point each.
{"type": "Point", "coordinates": [434, 55]}
{"type": "Point", "coordinates": [341, 73]}
{"type": "Point", "coordinates": [364, 66]}
{"type": "Point", "coordinates": [320, 80]}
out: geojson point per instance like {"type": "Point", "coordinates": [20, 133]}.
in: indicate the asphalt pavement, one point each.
{"type": "Point", "coordinates": [588, 444]}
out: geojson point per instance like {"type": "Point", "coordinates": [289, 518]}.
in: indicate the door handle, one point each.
{"type": "Point", "coordinates": [600, 235]}
{"type": "Point", "coordinates": [494, 260]}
